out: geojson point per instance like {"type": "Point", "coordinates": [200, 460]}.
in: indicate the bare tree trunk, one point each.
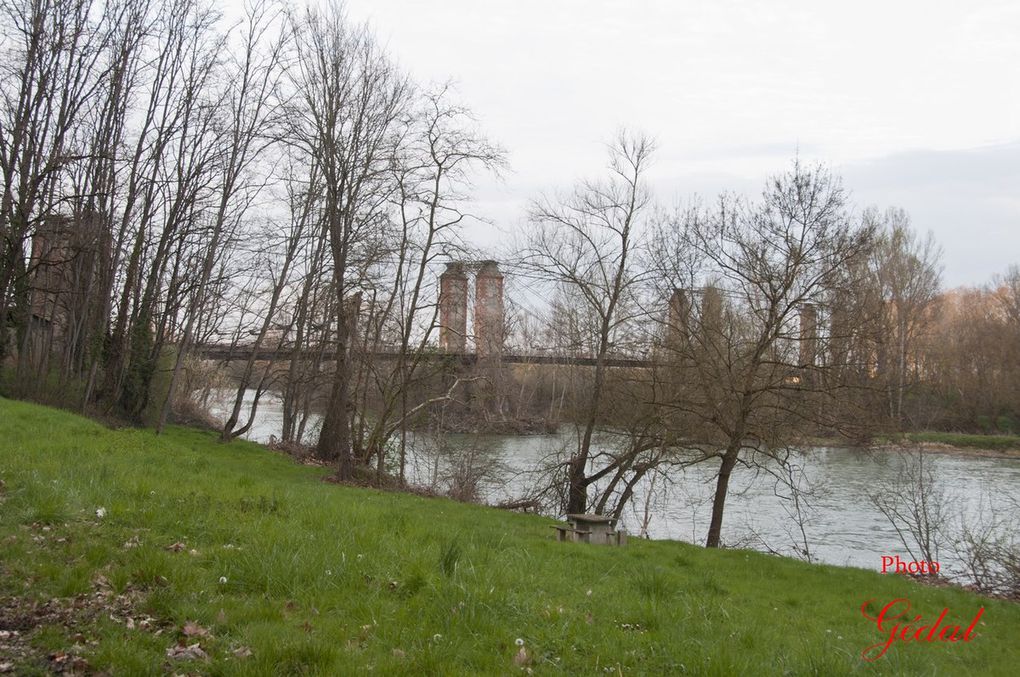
{"type": "Point", "coordinates": [335, 438]}
{"type": "Point", "coordinates": [729, 460]}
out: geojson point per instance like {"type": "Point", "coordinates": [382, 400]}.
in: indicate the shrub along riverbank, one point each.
{"type": "Point", "coordinates": [1000, 444]}
{"type": "Point", "coordinates": [179, 553]}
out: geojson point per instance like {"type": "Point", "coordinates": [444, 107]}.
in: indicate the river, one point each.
{"type": "Point", "coordinates": [842, 524]}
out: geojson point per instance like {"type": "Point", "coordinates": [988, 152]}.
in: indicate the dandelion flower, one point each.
{"type": "Point", "coordinates": [436, 637]}
{"type": "Point", "coordinates": [520, 642]}
{"type": "Point", "coordinates": [223, 580]}
{"type": "Point", "coordinates": [100, 513]}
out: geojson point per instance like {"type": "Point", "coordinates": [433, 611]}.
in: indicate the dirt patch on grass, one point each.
{"type": "Point", "coordinates": [21, 619]}
{"type": "Point", "coordinates": [76, 619]}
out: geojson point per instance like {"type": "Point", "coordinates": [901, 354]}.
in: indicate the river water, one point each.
{"type": "Point", "coordinates": [841, 522]}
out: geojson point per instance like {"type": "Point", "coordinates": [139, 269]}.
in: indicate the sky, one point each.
{"type": "Point", "coordinates": [914, 104]}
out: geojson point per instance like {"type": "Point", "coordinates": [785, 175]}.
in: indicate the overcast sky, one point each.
{"type": "Point", "coordinates": [915, 104]}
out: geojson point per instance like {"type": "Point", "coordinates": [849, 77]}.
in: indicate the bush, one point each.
{"type": "Point", "coordinates": [984, 424]}
{"type": "Point", "coordinates": [1006, 424]}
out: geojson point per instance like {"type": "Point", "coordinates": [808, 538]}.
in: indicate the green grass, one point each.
{"type": "Point", "coordinates": [328, 580]}
{"type": "Point", "coordinates": [963, 440]}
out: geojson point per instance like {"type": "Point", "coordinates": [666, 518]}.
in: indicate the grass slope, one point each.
{"type": "Point", "coordinates": [966, 441]}
{"type": "Point", "coordinates": [329, 580]}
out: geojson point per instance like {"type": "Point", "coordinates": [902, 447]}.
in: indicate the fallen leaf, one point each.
{"type": "Point", "coordinates": [175, 547]}
{"type": "Point", "coordinates": [398, 653]}
{"type": "Point", "coordinates": [192, 629]}
{"type": "Point", "coordinates": [221, 617]}
{"type": "Point", "coordinates": [190, 652]}
{"type": "Point", "coordinates": [242, 652]}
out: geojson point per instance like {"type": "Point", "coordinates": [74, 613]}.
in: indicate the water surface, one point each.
{"type": "Point", "coordinates": [842, 524]}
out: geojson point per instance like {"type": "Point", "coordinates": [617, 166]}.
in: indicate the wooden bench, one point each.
{"type": "Point", "coordinates": [597, 529]}
{"type": "Point", "coordinates": [562, 531]}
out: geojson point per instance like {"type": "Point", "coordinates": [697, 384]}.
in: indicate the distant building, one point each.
{"type": "Point", "coordinates": [65, 294]}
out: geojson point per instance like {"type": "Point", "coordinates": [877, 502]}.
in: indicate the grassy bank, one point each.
{"type": "Point", "coordinates": [270, 571]}
{"type": "Point", "coordinates": [1001, 443]}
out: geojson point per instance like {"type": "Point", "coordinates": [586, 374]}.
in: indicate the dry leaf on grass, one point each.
{"type": "Point", "coordinates": [192, 629]}
{"type": "Point", "coordinates": [191, 652]}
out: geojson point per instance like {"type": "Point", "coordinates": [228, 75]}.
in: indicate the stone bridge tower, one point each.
{"type": "Point", "coordinates": [488, 308]}
{"type": "Point", "coordinates": [808, 335]}
{"type": "Point", "coordinates": [453, 298]}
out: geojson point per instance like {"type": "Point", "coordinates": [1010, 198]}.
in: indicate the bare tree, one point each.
{"type": "Point", "coordinates": [252, 105]}
{"type": "Point", "coordinates": [989, 548]}
{"type": "Point", "coordinates": [311, 313]}
{"type": "Point", "coordinates": [589, 241]}
{"type": "Point", "coordinates": [916, 505]}
{"type": "Point", "coordinates": [349, 98]}
{"type": "Point", "coordinates": [301, 217]}
{"type": "Point", "coordinates": [432, 169]}
{"type": "Point", "coordinates": [168, 193]}
{"type": "Point", "coordinates": [906, 270]}
{"type": "Point", "coordinates": [742, 336]}
{"type": "Point", "coordinates": [50, 74]}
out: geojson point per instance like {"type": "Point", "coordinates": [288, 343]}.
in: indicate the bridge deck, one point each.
{"type": "Point", "coordinates": [220, 353]}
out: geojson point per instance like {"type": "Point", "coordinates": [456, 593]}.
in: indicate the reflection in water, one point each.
{"type": "Point", "coordinates": [843, 526]}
